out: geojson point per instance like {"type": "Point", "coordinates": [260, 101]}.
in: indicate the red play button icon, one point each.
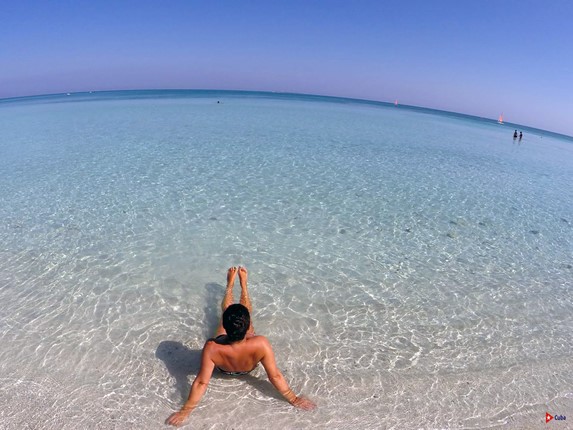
{"type": "Point", "coordinates": [548, 417]}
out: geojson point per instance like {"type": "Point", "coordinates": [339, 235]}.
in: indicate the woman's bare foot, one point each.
{"type": "Point", "coordinates": [231, 273]}
{"type": "Point", "coordinates": [243, 276]}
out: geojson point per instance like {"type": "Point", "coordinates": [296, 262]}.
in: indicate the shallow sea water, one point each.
{"type": "Point", "coordinates": [412, 269]}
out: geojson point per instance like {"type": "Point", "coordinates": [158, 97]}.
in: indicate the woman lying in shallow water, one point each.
{"type": "Point", "coordinates": [236, 350]}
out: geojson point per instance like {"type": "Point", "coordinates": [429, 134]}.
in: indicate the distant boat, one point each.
{"type": "Point", "coordinates": [500, 119]}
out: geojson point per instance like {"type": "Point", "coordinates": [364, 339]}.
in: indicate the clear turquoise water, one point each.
{"type": "Point", "coordinates": [412, 269]}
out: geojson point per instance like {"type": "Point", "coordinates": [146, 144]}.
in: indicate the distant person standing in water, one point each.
{"type": "Point", "coordinates": [515, 135]}
{"type": "Point", "coordinates": [520, 135]}
{"type": "Point", "coordinates": [236, 350]}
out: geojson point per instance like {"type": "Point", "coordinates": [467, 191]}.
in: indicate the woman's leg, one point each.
{"type": "Point", "coordinates": [227, 299]}
{"type": "Point", "coordinates": [245, 299]}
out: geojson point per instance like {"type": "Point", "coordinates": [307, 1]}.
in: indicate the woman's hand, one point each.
{"type": "Point", "coordinates": [177, 418]}
{"type": "Point", "coordinates": [304, 403]}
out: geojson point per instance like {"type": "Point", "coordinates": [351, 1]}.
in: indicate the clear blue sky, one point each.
{"type": "Point", "coordinates": [480, 57]}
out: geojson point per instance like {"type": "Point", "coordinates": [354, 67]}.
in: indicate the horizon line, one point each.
{"type": "Point", "coordinates": [287, 93]}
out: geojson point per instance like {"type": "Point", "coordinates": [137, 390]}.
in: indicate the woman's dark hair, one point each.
{"type": "Point", "coordinates": [236, 321]}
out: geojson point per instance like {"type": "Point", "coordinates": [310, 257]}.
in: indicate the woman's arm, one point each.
{"type": "Point", "coordinates": [198, 388]}
{"type": "Point", "coordinates": [279, 382]}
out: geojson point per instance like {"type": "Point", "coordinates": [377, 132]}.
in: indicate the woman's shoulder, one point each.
{"type": "Point", "coordinates": [258, 340]}
{"type": "Point", "coordinates": [219, 340]}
